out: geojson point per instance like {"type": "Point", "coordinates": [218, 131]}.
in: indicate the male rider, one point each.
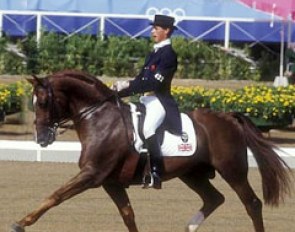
{"type": "Point", "coordinates": [155, 81]}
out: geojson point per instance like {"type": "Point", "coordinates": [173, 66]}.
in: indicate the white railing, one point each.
{"type": "Point", "coordinates": [70, 152]}
{"type": "Point", "coordinates": [41, 15]}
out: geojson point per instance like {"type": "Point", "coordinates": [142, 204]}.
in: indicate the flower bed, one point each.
{"type": "Point", "coordinates": [13, 95]}
{"type": "Point", "coordinates": [264, 105]}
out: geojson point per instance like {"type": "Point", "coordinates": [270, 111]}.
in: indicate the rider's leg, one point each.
{"type": "Point", "coordinates": [155, 114]}
{"type": "Point", "coordinates": [156, 160]}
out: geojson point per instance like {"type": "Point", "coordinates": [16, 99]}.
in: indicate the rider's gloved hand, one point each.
{"type": "Point", "coordinates": [119, 85]}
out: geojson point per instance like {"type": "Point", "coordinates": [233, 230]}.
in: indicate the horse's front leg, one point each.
{"type": "Point", "coordinates": [87, 178]}
{"type": "Point", "coordinates": [119, 195]}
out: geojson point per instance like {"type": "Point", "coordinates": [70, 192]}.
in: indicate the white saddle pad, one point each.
{"type": "Point", "coordinates": [172, 145]}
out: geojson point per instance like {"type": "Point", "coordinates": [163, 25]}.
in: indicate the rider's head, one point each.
{"type": "Point", "coordinates": [163, 27]}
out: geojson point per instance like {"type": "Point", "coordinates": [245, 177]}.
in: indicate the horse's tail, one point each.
{"type": "Point", "coordinates": [274, 171]}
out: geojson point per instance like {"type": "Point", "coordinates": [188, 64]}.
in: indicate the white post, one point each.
{"type": "Point", "coordinates": [39, 27]}
{"type": "Point", "coordinates": [102, 27]}
{"type": "Point", "coordinates": [227, 34]}
{"type": "Point", "coordinates": [281, 80]}
{"type": "Point", "coordinates": [282, 51]}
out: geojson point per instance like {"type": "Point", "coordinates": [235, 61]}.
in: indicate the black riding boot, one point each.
{"type": "Point", "coordinates": [154, 149]}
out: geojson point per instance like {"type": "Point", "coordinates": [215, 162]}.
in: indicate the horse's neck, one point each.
{"type": "Point", "coordinates": [102, 123]}
{"type": "Point", "coordinates": [81, 94]}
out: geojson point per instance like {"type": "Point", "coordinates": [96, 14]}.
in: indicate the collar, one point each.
{"type": "Point", "coordinates": [161, 44]}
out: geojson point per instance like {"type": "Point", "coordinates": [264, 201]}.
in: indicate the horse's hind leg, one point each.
{"type": "Point", "coordinates": [211, 197]}
{"type": "Point", "coordinates": [251, 202]}
{"type": "Point", "coordinates": [119, 195]}
{"type": "Point", "coordinates": [87, 178]}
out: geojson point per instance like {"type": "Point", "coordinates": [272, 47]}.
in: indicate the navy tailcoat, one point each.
{"type": "Point", "coordinates": [156, 75]}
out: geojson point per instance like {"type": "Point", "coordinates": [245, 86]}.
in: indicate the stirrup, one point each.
{"type": "Point", "coordinates": [151, 183]}
{"type": "Point", "coordinates": [148, 181]}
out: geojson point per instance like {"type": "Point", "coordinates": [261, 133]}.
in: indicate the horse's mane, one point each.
{"type": "Point", "coordinates": [83, 76]}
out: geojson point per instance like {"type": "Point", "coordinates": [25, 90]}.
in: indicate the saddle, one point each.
{"type": "Point", "coordinates": [171, 145]}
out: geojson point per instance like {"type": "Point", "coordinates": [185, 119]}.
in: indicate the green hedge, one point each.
{"type": "Point", "coordinates": [10, 63]}
{"type": "Point", "coordinates": [273, 105]}
{"type": "Point", "coordinates": [123, 57]}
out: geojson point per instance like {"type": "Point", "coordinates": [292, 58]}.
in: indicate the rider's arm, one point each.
{"type": "Point", "coordinates": [152, 77]}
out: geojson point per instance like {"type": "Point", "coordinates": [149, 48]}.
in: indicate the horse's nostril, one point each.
{"type": "Point", "coordinates": [43, 143]}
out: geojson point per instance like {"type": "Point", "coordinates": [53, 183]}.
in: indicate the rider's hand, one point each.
{"type": "Point", "coordinates": [119, 85]}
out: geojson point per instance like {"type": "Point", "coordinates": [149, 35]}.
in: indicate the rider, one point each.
{"type": "Point", "coordinates": [154, 80]}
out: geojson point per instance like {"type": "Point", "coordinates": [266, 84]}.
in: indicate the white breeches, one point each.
{"type": "Point", "coordinates": [155, 115]}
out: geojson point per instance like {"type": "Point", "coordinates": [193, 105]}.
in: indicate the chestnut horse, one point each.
{"type": "Point", "coordinates": [105, 131]}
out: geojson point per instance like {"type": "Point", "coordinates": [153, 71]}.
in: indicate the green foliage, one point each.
{"type": "Point", "coordinates": [204, 61]}
{"type": "Point", "coordinates": [260, 102]}
{"type": "Point", "coordinates": [9, 62]}
{"type": "Point", "coordinates": [268, 65]}
{"type": "Point", "coordinates": [124, 56]}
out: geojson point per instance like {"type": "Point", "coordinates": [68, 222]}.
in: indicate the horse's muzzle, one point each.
{"type": "Point", "coordinates": [46, 138]}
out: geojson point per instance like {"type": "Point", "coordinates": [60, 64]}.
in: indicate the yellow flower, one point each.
{"type": "Point", "coordinates": [213, 99]}
{"type": "Point", "coordinates": [286, 103]}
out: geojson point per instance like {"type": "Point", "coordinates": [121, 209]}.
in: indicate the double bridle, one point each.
{"type": "Point", "coordinates": [55, 116]}
{"type": "Point", "coordinates": [57, 121]}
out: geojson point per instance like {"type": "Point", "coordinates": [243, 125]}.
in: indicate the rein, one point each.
{"type": "Point", "coordinates": [119, 105]}
{"type": "Point", "coordinates": [90, 109]}
{"type": "Point", "coordinates": [56, 123]}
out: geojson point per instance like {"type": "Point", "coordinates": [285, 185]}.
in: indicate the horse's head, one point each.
{"type": "Point", "coordinates": [45, 110]}
{"type": "Point", "coordinates": [63, 96]}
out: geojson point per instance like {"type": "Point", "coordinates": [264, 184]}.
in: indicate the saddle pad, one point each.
{"type": "Point", "coordinates": [172, 145]}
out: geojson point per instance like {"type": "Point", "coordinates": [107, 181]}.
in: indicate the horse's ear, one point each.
{"type": "Point", "coordinates": [31, 81]}
{"type": "Point", "coordinates": [35, 80]}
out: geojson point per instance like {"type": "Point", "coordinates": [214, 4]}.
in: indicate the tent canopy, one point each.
{"type": "Point", "coordinates": [282, 8]}
{"type": "Point", "coordinates": [227, 20]}
{"type": "Point", "coordinates": [209, 8]}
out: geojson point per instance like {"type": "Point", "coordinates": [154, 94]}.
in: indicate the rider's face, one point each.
{"type": "Point", "coordinates": [159, 33]}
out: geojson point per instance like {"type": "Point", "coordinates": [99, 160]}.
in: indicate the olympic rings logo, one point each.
{"type": "Point", "coordinates": [177, 13]}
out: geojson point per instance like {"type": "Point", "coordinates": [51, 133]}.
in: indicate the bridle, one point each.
{"type": "Point", "coordinates": [57, 121]}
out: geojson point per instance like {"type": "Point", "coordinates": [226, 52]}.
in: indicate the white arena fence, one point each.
{"type": "Point", "coordinates": [227, 29]}
{"type": "Point", "coordinates": [69, 152]}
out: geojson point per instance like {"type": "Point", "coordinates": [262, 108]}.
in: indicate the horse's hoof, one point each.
{"type": "Point", "coordinates": [191, 228]}
{"type": "Point", "coordinates": [17, 228]}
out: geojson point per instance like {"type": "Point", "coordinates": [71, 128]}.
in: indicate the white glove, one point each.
{"type": "Point", "coordinates": [119, 85]}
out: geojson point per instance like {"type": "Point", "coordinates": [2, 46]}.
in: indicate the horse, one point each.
{"type": "Point", "coordinates": [108, 159]}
